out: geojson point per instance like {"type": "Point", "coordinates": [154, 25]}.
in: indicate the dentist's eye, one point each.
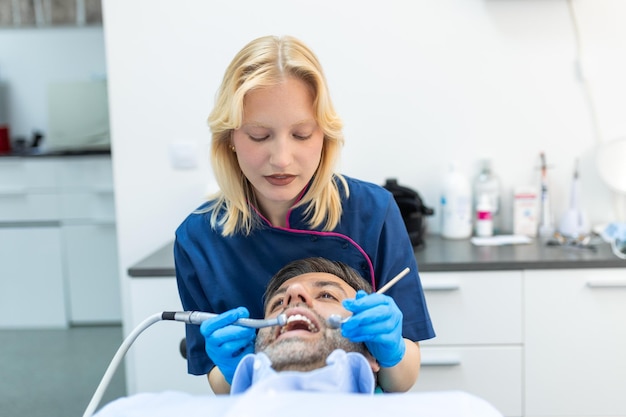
{"type": "Point", "coordinates": [302, 137]}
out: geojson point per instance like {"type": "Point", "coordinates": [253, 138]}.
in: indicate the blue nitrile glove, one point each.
{"type": "Point", "coordinates": [225, 343]}
{"type": "Point", "coordinates": [377, 321]}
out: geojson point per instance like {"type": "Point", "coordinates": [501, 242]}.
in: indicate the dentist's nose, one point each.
{"type": "Point", "coordinates": [281, 152]}
{"type": "Point", "coordinates": [297, 293]}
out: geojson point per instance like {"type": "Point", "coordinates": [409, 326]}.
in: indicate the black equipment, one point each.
{"type": "Point", "coordinates": [412, 209]}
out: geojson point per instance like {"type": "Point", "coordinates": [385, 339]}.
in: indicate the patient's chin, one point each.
{"type": "Point", "coordinates": [302, 353]}
{"type": "Point", "coordinates": [296, 354]}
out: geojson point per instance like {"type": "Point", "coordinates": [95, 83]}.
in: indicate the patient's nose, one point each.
{"type": "Point", "coordinates": [297, 293]}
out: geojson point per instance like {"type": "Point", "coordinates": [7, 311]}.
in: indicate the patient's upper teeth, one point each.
{"type": "Point", "coordinates": [299, 318]}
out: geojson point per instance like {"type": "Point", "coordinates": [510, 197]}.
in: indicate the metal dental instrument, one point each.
{"type": "Point", "coordinates": [197, 317]}
{"type": "Point", "coordinates": [189, 317]}
{"type": "Point", "coordinates": [335, 321]}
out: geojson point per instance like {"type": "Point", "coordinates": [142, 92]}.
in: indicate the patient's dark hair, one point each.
{"type": "Point", "coordinates": [308, 265]}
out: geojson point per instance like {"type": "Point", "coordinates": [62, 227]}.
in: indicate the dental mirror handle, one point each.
{"type": "Point", "coordinates": [335, 320]}
{"type": "Point", "coordinates": [393, 281]}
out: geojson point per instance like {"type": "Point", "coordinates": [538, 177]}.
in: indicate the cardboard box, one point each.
{"type": "Point", "coordinates": [526, 211]}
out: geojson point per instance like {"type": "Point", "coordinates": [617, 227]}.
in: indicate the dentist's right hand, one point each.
{"type": "Point", "coordinates": [226, 343]}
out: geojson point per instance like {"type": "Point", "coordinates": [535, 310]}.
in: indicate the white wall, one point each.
{"type": "Point", "coordinates": [418, 83]}
{"type": "Point", "coordinates": [32, 58]}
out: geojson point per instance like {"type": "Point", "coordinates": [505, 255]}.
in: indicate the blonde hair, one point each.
{"type": "Point", "coordinates": [265, 62]}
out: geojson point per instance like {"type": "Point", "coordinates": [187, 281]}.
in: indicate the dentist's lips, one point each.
{"type": "Point", "coordinates": [280, 179]}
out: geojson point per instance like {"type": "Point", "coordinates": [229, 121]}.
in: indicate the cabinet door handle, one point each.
{"type": "Point", "coordinates": [103, 189]}
{"type": "Point", "coordinates": [449, 360]}
{"type": "Point", "coordinates": [441, 286]}
{"type": "Point", "coordinates": [12, 191]}
{"type": "Point", "coordinates": [30, 223]}
{"type": "Point", "coordinates": [606, 283]}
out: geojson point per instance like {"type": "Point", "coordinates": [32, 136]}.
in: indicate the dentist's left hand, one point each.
{"type": "Point", "coordinates": [377, 321]}
{"type": "Point", "coordinates": [226, 343]}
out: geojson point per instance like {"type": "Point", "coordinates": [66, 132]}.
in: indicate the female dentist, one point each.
{"type": "Point", "coordinates": [275, 142]}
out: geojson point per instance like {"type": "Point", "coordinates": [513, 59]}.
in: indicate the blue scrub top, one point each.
{"type": "Point", "coordinates": [216, 273]}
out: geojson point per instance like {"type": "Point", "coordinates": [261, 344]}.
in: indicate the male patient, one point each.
{"type": "Point", "coordinates": [294, 363]}
{"type": "Point", "coordinates": [308, 291]}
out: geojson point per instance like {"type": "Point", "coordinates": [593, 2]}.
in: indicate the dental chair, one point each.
{"type": "Point", "coordinates": [262, 404]}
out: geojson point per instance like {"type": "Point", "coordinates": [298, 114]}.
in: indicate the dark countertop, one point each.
{"type": "Point", "coordinates": [450, 255]}
{"type": "Point", "coordinates": [36, 153]}
{"type": "Point", "coordinates": [158, 264]}
{"type": "Point", "coordinates": [461, 255]}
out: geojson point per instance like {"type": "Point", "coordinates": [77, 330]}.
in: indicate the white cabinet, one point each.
{"type": "Point", "coordinates": [57, 230]}
{"type": "Point", "coordinates": [89, 239]}
{"type": "Point", "coordinates": [478, 320]}
{"type": "Point", "coordinates": [575, 342]}
{"type": "Point", "coordinates": [32, 290]}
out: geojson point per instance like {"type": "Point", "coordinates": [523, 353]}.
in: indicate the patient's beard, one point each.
{"type": "Point", "coordinates": [300, 354]}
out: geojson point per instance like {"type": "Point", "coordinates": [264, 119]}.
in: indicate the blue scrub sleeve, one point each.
{"type": "Point", "coordinates": [395, 252]}
{"type": "Point", "coordinates": [198, 362]}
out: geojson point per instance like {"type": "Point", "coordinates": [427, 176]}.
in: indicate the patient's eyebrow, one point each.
{"type": "Point", "coordinates": [334, 284]}
{"type": "Point", "coordinates": [279, 291]}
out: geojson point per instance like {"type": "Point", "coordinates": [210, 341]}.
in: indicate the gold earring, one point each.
{"type": "Point", "coordinates": [232, 148]}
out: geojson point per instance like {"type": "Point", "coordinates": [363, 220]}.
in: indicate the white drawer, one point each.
{"type": "Point", "coordinates": [575, 342]}
{"type": "Point", "coordinates": [93, 206]}
{"type": "Point", "coordinates": [19, 175]}
{"type": "Point", "coordinates": [493, 373]}
{"type": "Point", "coordinates": [20, 207]}
{"type": "Point", "coordinates": [92, 173]}
{"type": "Point", "coordinates": [474, 307]}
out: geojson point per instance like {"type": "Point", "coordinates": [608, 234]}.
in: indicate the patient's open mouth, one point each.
{"type": "Point", "coordinates": [299, 322]}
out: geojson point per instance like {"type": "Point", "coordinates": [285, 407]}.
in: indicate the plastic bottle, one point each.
{"type": "Point", "coordinates": [484, 216]}
{"type": "Point", "coordinates": [487, 184]}
{"type": "Point", "coordinates": [456, 205]}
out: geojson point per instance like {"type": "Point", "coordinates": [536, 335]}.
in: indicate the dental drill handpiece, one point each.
{"type": "Point", "coordinates": [335, 321]}
{"type": "Point", "coordinates": [197, 317]}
